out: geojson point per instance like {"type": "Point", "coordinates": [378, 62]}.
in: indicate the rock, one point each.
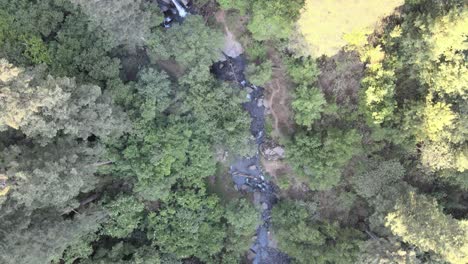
{"type": "Point", "coordinates": [252, 167]}
{"type": "Point", "coordinates": [257, 198]}
{"type": "Point", "coordinates": [279, 151]}
{"type": "Point", "coordinates": [265, 206]}
{"type": "Point", "coordinates": [251, 256]}
{"type": "Point", "coordinates": [272, 151]}
{"type": "Point", "coordinates": [265, 104]}
{"type": "Point", "coordinates": [260, 102]}
{"type": "Point", "coordinates": [244, 187]}
{"type": "Point", "coordinates": [249, 90]}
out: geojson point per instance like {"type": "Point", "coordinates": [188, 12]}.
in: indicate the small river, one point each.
{"type": "Point", "coordinates": [247, 172]}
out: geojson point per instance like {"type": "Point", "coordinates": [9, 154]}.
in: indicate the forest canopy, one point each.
{"type": "Point", "coordinates": [340, 136]}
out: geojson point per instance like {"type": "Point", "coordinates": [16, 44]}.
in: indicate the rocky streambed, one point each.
{"type": "Point", "coordinates": [247, 173]}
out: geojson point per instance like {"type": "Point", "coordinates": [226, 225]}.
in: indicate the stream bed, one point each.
{"type": "Point", "coordinates": [247, 173]}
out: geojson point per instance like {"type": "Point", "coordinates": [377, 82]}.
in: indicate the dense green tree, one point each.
{"type": "Point", "coordinates": [128, 22]}
{"type": "Point", "coordinates": [379, 89]}
{"type": "Point", "coordinates": [24, 24]}
{"type": "Point", "coordinates": [58, 34]}
{"type": "Point", "coordinates": [242, 220]}
{"type": "Point", "coordinates": [420, 221]}
{"type": "Point", "coordinates": [160, 157]}
{"type": "Point", "coordinates": [377, 177]}
{"type": "Point", "coordinates": [259, 74]}
{"type": "Point", "coordinates": [241, 5]}
{"type": "Point", "coordinates": [381, 250]}
{"type": "Point", "coordinates": [79, 250]}
{"type": "Point", "coordinates": [81, 52]}
{"type": "Point", "coordinates": [273, 19]}
{"type": "Point", "coordinates": [380, 183]}
{"type": "Point", "coordinates": [256, 51]}
{"type": "Point", "coordinates": [51, 175]}
{"type": "Point", "coordinates": [188, 218]}
{"type": "Point", "coordinates": [320, 161]}
{"type": "Point", "coordinates": [44, 237]}
{"type": "Point", "coordinates": [125, 214]}
{"type": "Point", "coordinates": [152, 204]}
{"type": "Point", "coordinates": [154, 91]}
{"type": "Point", "coordinates": [126, 253]}
{"type": "Point", "coordinates": [308, 105]}
{"type": "Point", "coordinates": [217, 109]}
{"type": "Point", "coordinates": [42, 107]}
{"type": "Point", "coordinates": [303, 70]}
{"type": "Point", "coordinates": [419, 65]}
{"type": "Point", "coordinates": [191, 43]}
{"type": "Point", "coordinates": [55, 113]}
{"type": "Point", "coordinates": [307, 240]}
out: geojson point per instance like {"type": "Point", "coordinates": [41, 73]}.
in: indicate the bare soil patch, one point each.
{"type": "Point", "coordinates": [278, 97]}
{"type": "Point", "coordinates": [277, 168]}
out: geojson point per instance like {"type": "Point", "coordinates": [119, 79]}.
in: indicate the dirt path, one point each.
{"type": "Point", "coordinates": [278, 96]}
{"type": "Point", "coordinates": [231, 46]}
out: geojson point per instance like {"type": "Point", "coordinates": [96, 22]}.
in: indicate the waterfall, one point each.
{"type": "Point", "coordinates": [180, 9]}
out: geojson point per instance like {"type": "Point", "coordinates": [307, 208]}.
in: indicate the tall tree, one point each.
{"type": "Point", "coordinates": [418, 220]}
{"type": "Point", "coordinates": [190, 43]}
{"type": "Point", "coordinates": [188, 218]}
{"type": "Point", "coordinates": [128, 22]}
{"type": "Point", "coordinates": [377, 177]}
{"type": "Point", "coordinates": [307, 240]}
{"type": "Point", "coordinates": [43, 107]}
{"type": "Point", "coordinates": [242, 221]}
{"type": "Point", "coordinates": [44, 238]}
{"type": "Point", "coordinates": [125, 214]}
{"type": "Point", "coordinates": [320, 160]}
{"type": "Point", "coordinates": [52, 175]}
{"type": "Point", "coordinates": [308, 104]}
{"type": "Point", "coordinates": [273, 19]}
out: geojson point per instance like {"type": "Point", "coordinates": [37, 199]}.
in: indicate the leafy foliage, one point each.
{"type": "Point", "coordinates": [242, 219]}
{"type": "Point", "coordinates": [382, 250]}
{"type": "Point", "coordinates": [307, 240]}
{"type": "Point", "coordinates": [418, 220]}
{"type": "Point", "coordinates": [125, 213]}
{"type": "Point", "coordinates": [186, 219]}
{"type": "Point", "coordinates": [303, 70]}
{"type": "Point", "coordinates": [321, 160]}
{"type": "Point", "coordinates": [44, 239]}
{"type": "Point", "coordinates": [92, 182]}
{"type": "Point", "coordinates": [259, 74]}
{"type": "Point", "coordinates": [373, 181]}
{"type": "Point", "coordinates": [273, 19]}
{"type": "Point", "coordinates": [307, 105]}
{"type": "Point", "coordinates": [190, 44]}
{"type": "Point", "coordinates": [241, 5]}
{"type": "Point", "coordinates": [42, 107]}
{"type": "Point", "coordinates": [128, 22]}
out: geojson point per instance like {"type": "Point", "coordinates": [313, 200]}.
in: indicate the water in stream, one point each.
{"type": "Point", "coordinates": [247, 172]}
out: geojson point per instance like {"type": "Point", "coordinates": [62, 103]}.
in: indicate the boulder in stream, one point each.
{"type": "Point", "coordinates": [272, 150]}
